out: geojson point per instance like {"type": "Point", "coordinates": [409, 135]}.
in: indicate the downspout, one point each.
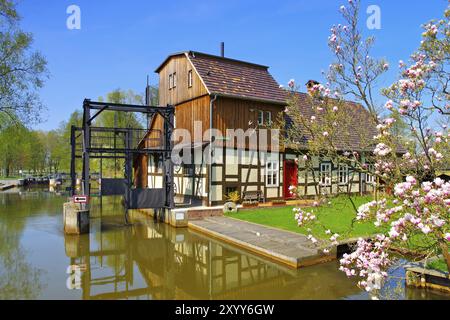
{"type": "Point", "coordinates": [211, 105]}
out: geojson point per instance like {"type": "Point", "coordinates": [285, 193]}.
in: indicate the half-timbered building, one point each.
{"type": "Point", "coordinates": [223, 94]}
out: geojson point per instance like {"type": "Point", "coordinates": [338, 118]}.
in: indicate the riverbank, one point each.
{"type": "Point", "coordinates": [8, 184]}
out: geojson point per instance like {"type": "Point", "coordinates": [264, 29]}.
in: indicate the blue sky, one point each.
{"type": "Point", "coordinates": [121, 42]}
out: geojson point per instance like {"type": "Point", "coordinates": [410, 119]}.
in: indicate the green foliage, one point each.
{"type": "Point", "coordinates": [233, 196]}
{"type": "Point", "coordinates": [121, 119]}
{"type": "Point", "coordinates": [22, 71]}
{"type": "Point", "coordinates": [112, 119]}
{"type": "Point", "coordinates": [39, 151]}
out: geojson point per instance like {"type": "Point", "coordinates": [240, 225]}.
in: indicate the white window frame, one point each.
{"type": "Point", "coordinates": [174, 80]}
{"type": "Point", "coordinates": [260, 117]}
{"type": "Point", "coordinates": [272, 173]}
{"type": "Point", "coordinates": [190, 79]}
{"type": "Point", "coordinates": [170, 81]}
{"type": "Point", "coordinates": [370, 178]}
{"type": "Point", "coordinates": [343, 174]}
{"type": "Point", "coordinates": [268, 117]}
{"type": "Point", "coordinates": [325, 174]}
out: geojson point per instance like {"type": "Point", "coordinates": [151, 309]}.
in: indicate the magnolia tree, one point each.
{"type": "Point", "coordinates": [415, 216]}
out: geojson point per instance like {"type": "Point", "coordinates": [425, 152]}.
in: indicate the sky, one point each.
{"type": "Point", "coordinates": [121, 42]}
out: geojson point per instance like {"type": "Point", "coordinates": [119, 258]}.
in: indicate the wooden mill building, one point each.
{"type": "Point", "coordinates": [215, 92]}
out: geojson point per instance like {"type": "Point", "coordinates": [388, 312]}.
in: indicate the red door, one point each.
{"type": "Point", "coordinates": [290, 177]}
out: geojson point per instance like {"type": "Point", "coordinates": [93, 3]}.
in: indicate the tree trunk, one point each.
{"type": "Point", "coordinates": [446, 254]}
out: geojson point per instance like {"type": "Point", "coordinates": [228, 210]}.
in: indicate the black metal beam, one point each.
{"type": "Point", "coordinates": [73, 175]}
{"type": "Point", "coordinates": [131, 151]}
{"type": "Point", "coordinates": [97, 114]}
{"type": "Point", "coordinates": [125, 136]}
{"type": "Point", "coordinates": [102, 157]}
{"type": "Point", "coordinates": [127, 107]}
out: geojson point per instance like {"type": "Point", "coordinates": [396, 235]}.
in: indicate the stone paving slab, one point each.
{"type": "Point", "coordinates": [286, 247]}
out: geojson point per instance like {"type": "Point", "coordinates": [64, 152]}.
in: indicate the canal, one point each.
{"type": "Point", "coordinates": [145, 260]}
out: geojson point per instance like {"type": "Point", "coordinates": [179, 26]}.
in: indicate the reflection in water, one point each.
{"type": "Point", "coordinates": [144, 261]}
{"type": "Point", "coordinates": [178, 264]}
{"type": "Point", "coordinates": [18, 278]}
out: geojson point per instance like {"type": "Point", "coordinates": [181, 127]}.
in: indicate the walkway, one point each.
{"type": "Point", "coordinates": [289, 248]}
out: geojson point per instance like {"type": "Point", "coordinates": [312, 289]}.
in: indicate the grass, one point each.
{"type": "Point", "coordinates": [439, 265]}
{"type": "Point", "coordinates": [336, 216]}
{"type": "Point", "coordinates": [9, 178]}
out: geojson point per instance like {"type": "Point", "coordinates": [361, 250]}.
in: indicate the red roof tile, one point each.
{"type": "Point", "coordinates": [354, 135]}
{"type": "Point", "coordinates": [234, 78]}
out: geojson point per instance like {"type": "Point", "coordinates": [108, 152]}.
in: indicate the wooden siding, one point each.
{"type": "Point", "coordinates": [181, 93]}
{"type": "Point", "coordinates": [231, 113]}
{"type": "Point", "coordinates": [141, 171]}
{"type": "Point", "coordinates": [188, 113]}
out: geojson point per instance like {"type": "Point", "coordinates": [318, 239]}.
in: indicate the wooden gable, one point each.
{"type": "Point", "coordinates": [181, 66]}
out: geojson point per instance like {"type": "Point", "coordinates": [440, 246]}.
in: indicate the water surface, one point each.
{"type": "Point", "coordinates": [145, 260]}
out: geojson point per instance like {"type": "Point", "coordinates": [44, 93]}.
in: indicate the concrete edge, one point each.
{"type": "Point", "coordinates": [280, 258]}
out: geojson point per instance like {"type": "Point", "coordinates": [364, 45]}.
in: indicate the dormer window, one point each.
{"type": "Point", "coordinates": [189, 78]}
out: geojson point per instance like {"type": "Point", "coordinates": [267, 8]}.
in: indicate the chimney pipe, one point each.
{"type": "Point", "coordinates": [222, 49]}
{"type": "Point", "coordinates": [310, 85]}
{"type": "Point", "coordinates": [147, 94]}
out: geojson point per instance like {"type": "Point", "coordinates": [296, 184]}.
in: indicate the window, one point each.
{"type": "Point", "coordinates": [174, 80]}
{"type": "Point", "coordinates": [170, 81]}
{"type": "Point", "coordinates": [268, 118]}
{"type": "Point", "coordinates": [188, 170]}
{"type": "Point", "coordinates": [260, 117]}
{"type": "Point", "coordinates": [370, 178]}
{"type": "Point", "coordinates": [155, 164]}
{"type": "Point", "coordinates": [325, 174]}
{"type": "Point", "coordinates": [189, 78]}
{"type": "Point", "coordinates": [230, 189]}
{"type": "Point", "coordinates": [343, 174]}
{"type": "Point", "coordinates": [272, 173]}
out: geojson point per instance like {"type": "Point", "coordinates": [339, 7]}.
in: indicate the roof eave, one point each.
{"type": "Point", "coordinates": [223, 95]}
{"type": "Point", "coordinates": [168, 58]}
{"type": "Point", "coordinates": [227, 59]}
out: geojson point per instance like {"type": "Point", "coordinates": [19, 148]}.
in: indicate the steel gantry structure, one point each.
{"type": "Point", "coordinates": [92, 142]}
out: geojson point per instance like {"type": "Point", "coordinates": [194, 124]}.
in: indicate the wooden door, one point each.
{"type": "Point", "coordinates": [290, 177]}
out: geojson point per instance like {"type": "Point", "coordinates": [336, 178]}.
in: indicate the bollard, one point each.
{"type": "Point", "coordinates": [178, 218]}
{"type": "Point", "coordinates": [76, 219]}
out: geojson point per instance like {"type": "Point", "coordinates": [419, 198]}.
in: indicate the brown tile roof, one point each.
{"type": "Point", "coordinates": [354, 135]}
{"type": "Point", "coordinates": [234, 78]}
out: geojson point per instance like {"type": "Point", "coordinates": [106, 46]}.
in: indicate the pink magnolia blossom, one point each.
{"type": "Point", "coordinates": [291, 83]}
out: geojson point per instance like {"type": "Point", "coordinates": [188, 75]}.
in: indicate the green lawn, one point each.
{"type": "Point", "coordinates": [337, 217]}
{"type": "Point", "coordinates": [438, 265]}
